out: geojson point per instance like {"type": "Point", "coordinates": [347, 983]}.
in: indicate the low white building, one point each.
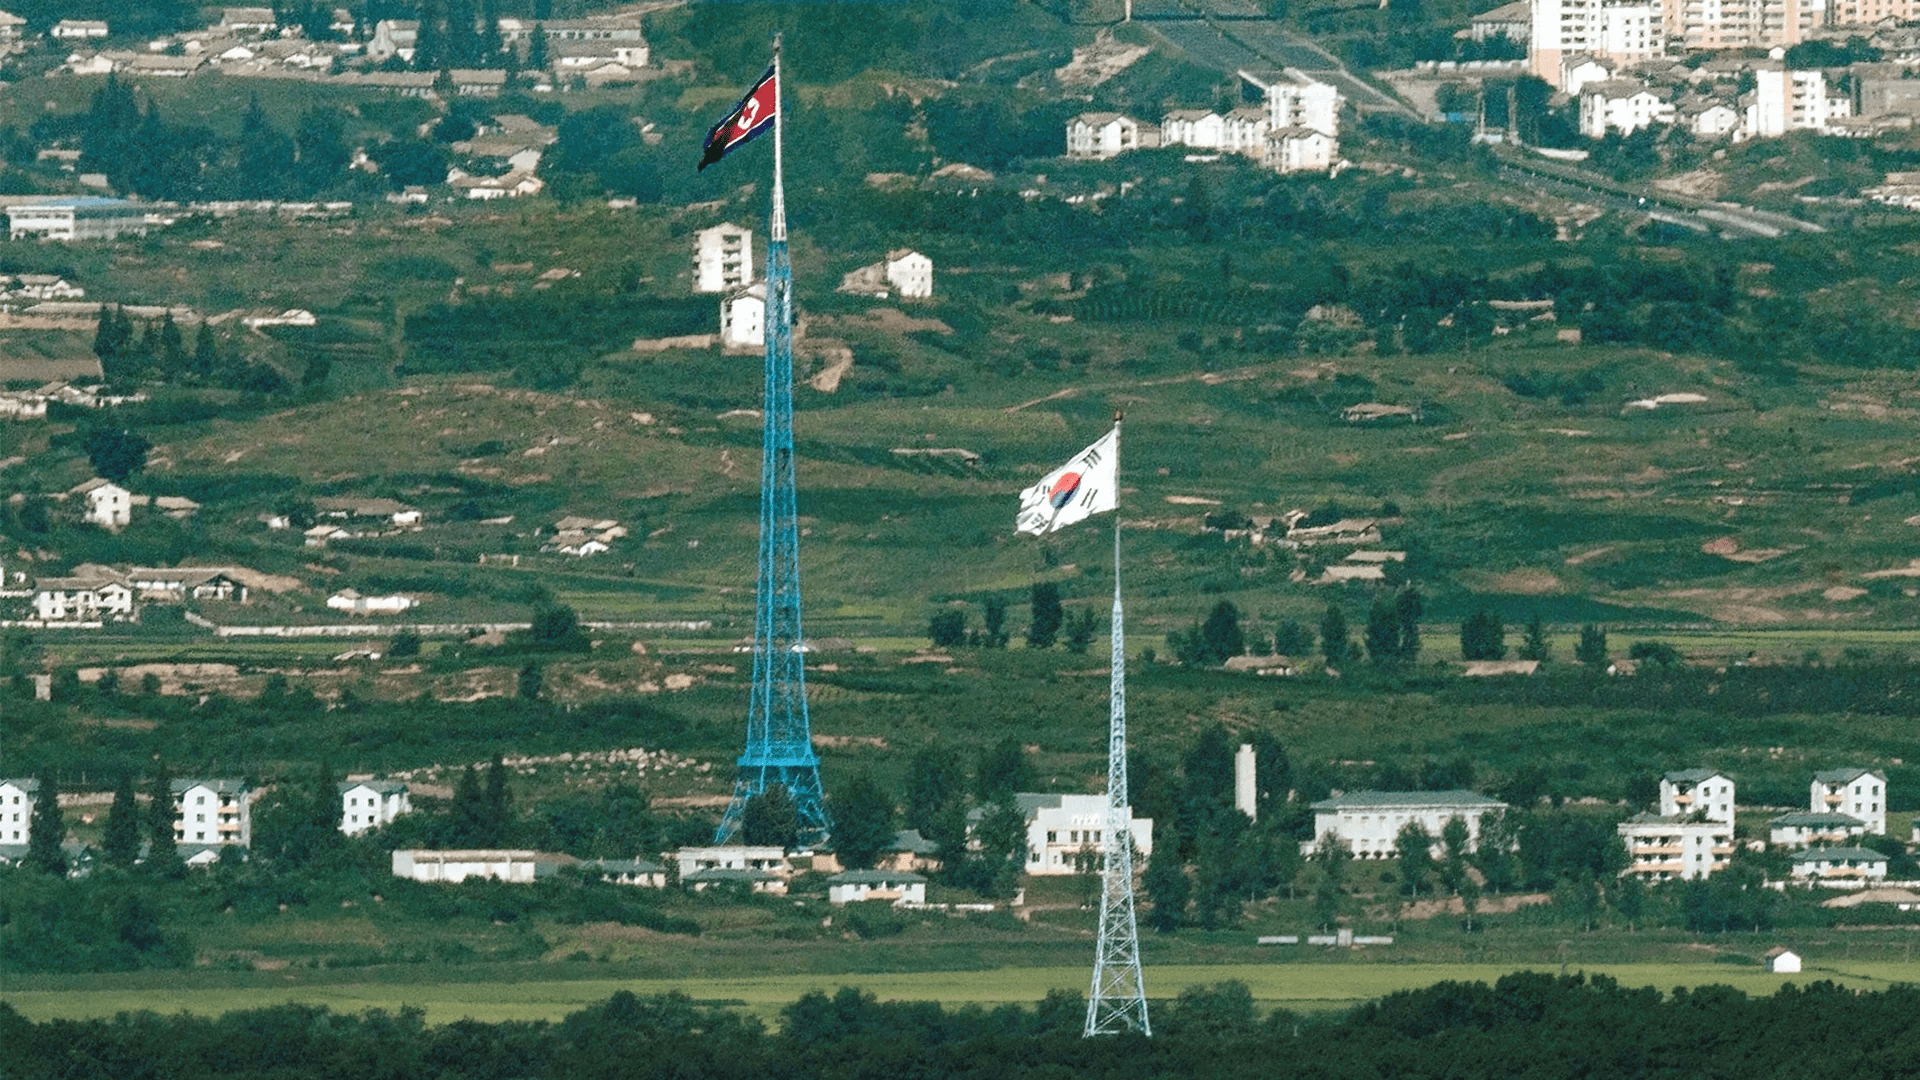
{"type": "Point", "coordinates": [1860, 793]}
{"type": "Point", "coordinates": [1622, 105]}
{"type": "Point", "coordinates": [109, 505]}
{"type": "Point", "coordinates": [1804, 829]}
{"type": "Point", "coordinates": [904, 272]}
{"type": "Point", "coordinates": [860, 886]}
{"type": "Point", "coordinates": [179, 584]}
{"type": "Point", "coordinates": [354, 603]}
{"type": "Point", "coordinates": [743, 319]}
{"type": "Point", "coordinates": [98, 594]}
{"type": "Point", "coordinates": [16, 815]}
{"type": "Point", "coordinates": [759, 881]}
{"type": "Point", "coordinates": [84, 217]}
{"type": "Point", "coordinates": [1102, 135]}
{"type": "Point", "coordinates": [1063, 828]}
{"type": "Point", "coordinates": [1368, 823]}
{"type": "Point", "coordinates": [79, 29]}
{"type": "Point", "coordinates": [1783, 961]}
{"type": "Point", "coordinates": [636, 872]}
{"type": "Point", "coordinates": [1676, 847]}
{"type": "Point", "coordinates": [764, 857]}
{"type": "Point", "coordinates": [520, 867]}
{"type": "Point", "coordinates": [1581, 70]}
{"type": "Point", "coordinates": [217, 813]}
{"type": "Point", "coordinates": [1848, 865]}
{"type": "Point", "coordinates": [1694, 791]}
{"type": "Point", "coordinates": [369, 804]}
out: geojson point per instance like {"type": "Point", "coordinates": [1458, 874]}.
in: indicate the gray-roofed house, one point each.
{"type": "Point", "coordinates": [1847, 865]}
{"type": "Point", "coordinates": [215, 812]}
{"type": "Point", "coordinates": [1064, 830]}
{"type": "Point", "coordinates": [1861, 793]}
{"type": "Point", "coordinates": [369, 804]}
{"type": "Point", "coordinates": [1368, 823]}
{"type": "Point", "coordinates": [860, 886]}
{"type": "Point", "coordinates": [1694, 791]}
{"type": "Point", "coordinates": [1803, 829]}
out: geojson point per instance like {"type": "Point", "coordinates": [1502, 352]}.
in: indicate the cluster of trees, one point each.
{"type": "Point", "coordinates": [1528, 1022]}
{"type": "Point", "coordinates": [157, 349]}
{"type": "Point", "coordinates": [141, 153]}
{"type": "Point", "coordinates": [1209, 861]}
{"type": "Point", "coordinates": [1048, 624]}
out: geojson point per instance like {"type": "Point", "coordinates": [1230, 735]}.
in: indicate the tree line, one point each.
{"type": "Point", "coordinates": [1526, 1024]}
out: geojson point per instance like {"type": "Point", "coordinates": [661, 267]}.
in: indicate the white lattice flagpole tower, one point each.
{"type": "Point", "coordinates": [1117, 1001]}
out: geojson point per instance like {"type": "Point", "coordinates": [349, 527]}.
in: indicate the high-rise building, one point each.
{"type": "Point", "coordinates": [1612, 30]}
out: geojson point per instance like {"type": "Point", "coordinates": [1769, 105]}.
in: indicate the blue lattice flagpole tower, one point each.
{"type": "Point", "coordinates": [1118, 999]}
{"type": "Point", "coordinates": [779, 746]}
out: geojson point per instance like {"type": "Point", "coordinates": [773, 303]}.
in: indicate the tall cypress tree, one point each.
{"type": "Point", "coordinates": [122, 841]}
{"type": "Point", "coordinates": [163, 855]}
{"type": "Point", "coordinates": [469, 810]}
{"type": "Point", "coordinates": [498, 814]}
{"type": "Point", "coordinates": [47, 830]}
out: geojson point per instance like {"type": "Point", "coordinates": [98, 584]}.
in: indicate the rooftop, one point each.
{"type": "Point", "coordinates": [1354, 800]}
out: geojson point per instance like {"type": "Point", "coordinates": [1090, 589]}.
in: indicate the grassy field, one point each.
{"type": "Point", "coordinates": [1290, 986]}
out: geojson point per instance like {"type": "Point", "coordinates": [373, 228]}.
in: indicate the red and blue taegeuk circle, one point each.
{"type": "Point", "coordinates": [1063, 490]}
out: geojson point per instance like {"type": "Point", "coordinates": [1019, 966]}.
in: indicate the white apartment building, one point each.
{"type": "Point", "coordinates": [1743, 24]}
{"type": "Point", "coordinates": [99, 594]}
{"type": "Point", "coordinates": [1697, 791]}
{"type": "Point", "coordinates": [1295, 100]}
{"type": "Point", "coordinates": [1197, 128]}
{"type": "Point", "coordinates": [1804, 829]}
{"type": "Point", "coordinates": [1871, 12]}
{"type": "Point", "coordinates": [215, 813]}
{"type": "Point", "coordinates": [1622, 106]}
{"type": "Point", "coordinates": [1860, 793]}
{"type": "Point", "coordinates": [1369, 822]}
{"type": "Point", "coordinates": [1844, 865]}
{"type": "Point", "coordinates": [1675, 847]}
{"type": "Point", "coordinates": [16, 815]}
{"type": "Point", "coordinates": [1061, 827]}
{"type": "Point", "coordinates": [1299, 149]}
{"type": "Point", "coordinates": [1244, 131]}
{"type": "Point", "coordinates": [369, 804]}
{"type": "Point", "coordinates": [1786, 100]}
{"type": "Point", "coordinates": [860, 886]}
{"type": "Point", "coordinates": [1101, 135]}
{"type": "Point", "coordinates": [520, 867]}
{"type": "Point", "coordinates": [1624, 33]}
{"type": "Point", "coordinates": [723, 258]}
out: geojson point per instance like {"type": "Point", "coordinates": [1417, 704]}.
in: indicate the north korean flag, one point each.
{"type": "Point", "coordinates": [751, 117]}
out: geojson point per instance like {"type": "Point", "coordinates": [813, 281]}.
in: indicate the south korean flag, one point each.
{"type": "Point", "coordinates": [1087, 485]}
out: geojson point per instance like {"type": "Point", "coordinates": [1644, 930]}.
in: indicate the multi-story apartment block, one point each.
{"type": "Point", "coordinates": [1697, 791]}
{"type": "Point", "coordinates": [1860, 793]}
{"type": "Point", "coordinates": [1678, 847]}
{"type": "Point", "coordinates": [1804, 829]}
{"type": "Point", "coordinates": [16, 816]}
{"type": "Point", "coordinates": [1613, 30]}
{"type": "Point", "coordinates": [724, 258]}
{"type": "Point", "coordinates": [1788, 100]}
{"type": "Point", "coordinates": [213, 813]}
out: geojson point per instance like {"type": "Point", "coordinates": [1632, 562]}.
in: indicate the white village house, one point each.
{"type": "Point", "coordinates": [904, 272]}
{"type": "Point", "coordinates": [1368, 823]}
{"type": "Point", "coordinates": [765, 858]}
{"type": "Point", "coordinates": [1063, 828]}
{"type": "Point", "coordinates": [369, 804]}
{"type": "Point", "coordinates": [743, 319]}
{"type": "Point", "coordinates": [1860, 793]}
{"type": "Point", "coordinates": [216, 813]}
{"type": "Point", "coordinates": [1839, 865]}
{"type": "Point", "coordinates": [1804, 829]}
{"type": "Point", "coordinates": [109, 505]}
{"type": "Point", "coordinates": [355, 603]}
{"type": "Point", "coordinates": [860, 886]}
{"type": "Point", "coordinates": [1101, 135]}
{"type": "Point", "coordinates": [1696, 791]}
{"type": "Point", "coordinates": [93, 593]}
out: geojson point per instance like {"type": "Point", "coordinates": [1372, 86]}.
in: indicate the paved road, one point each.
{"type": "Point", "coordinates": [1726, 219]}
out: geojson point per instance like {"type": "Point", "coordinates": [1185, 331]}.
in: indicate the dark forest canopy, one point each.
{"type": "Point", "coordinates": [1527, 1025]}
